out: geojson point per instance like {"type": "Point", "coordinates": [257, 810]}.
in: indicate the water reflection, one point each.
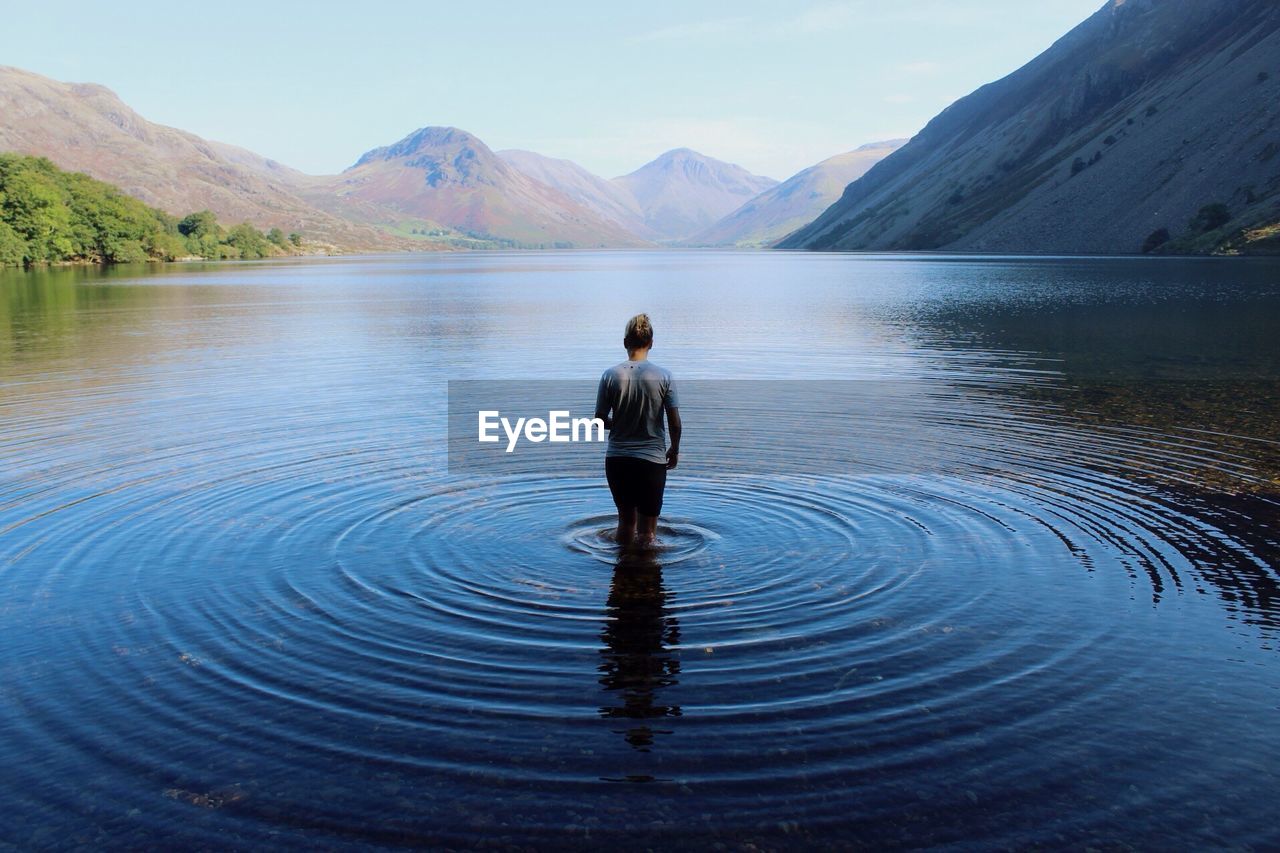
{"type": "Point", "coordinates": [226, 525]}
{"type": "Point", "coordinates": [641, 654]}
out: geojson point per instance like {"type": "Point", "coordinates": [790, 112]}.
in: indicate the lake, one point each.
{"type": "Point", "coordinates": [966, 551]}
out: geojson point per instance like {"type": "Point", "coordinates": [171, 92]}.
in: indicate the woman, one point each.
{"type": "Point", "coordinates": [632, 399]}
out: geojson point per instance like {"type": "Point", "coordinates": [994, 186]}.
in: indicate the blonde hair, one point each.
{"type": "Point", "coordinates": [639, 333]}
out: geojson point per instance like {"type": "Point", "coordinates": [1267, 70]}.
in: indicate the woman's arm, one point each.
{"type": "Point", "coordinates": [675, 428]}
{"type": "Point", "coordinates": [602, 402]}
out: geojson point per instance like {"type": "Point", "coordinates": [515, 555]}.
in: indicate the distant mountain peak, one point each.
{"type": "Point", "coordinates": [791, 204]}
{"type": "Point", "coordinates": [682, 191]}
{"type": "Point", "coordinates": [447, 155]}
{"type": "Point", "coordinates": [695, 161]}
{"type": "Point", "coordinates": [430, 138]}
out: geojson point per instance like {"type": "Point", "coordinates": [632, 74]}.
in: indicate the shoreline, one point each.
{"type": "Point", "coordinates": [935, 254]}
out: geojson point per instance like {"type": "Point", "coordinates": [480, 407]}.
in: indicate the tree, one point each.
{"type": "Point", "coordinates": [249, 242]}
{"type": "Point", "coordinates": [207, 246]}
{"type": "Point", "coordinates": [13, 249]}
{"type": "Point", "coordinates": [124, 251]}
{"type": "Point", "coordinates": [200, 225]}
{"type": "Point", "coordinates": [47, 215]}
{"type": "Point", "coordinates": [166, 246]}
{"type": "Point", "coordinates": [296, 239]}
{"type": "Point", "coordinates": [1155, 240]}
{"type": "Point", "coordinates": [34, 206]}
{"type": "Point", "coordinates": [275, 235]}
{"type": "Point", "coordinates": [1209, 217]}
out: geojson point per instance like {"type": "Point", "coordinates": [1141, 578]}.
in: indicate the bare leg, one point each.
{"type": "Point", "coordinates": [626, 525]}
{"type": "Point", "coordinates": [646, 530]}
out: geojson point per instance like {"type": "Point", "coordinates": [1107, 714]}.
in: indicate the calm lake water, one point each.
{"type": "Point", "coordinates": [969, 552]}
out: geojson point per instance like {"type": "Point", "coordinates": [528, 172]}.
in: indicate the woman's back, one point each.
{"type": "Point", "coordinates": [638, 393]}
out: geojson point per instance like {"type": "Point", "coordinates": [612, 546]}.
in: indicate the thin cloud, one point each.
{"type": "Point", "coordinates": [698, 29]}
{"type": "Point", "coordinates": [824, 17]}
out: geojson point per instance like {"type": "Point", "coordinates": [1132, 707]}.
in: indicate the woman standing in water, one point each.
{"type": "Point", "coordinates": [632, 399]}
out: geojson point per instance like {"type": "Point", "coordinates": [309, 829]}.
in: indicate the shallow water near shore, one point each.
{"type": "Point", "coordinates": [1026, 597]}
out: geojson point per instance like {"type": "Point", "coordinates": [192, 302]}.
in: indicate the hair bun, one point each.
{"type": "Point", "coordinates": [639, 333]}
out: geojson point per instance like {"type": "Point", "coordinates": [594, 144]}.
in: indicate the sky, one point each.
{"type": "Point", "coordinates": [772, 86]}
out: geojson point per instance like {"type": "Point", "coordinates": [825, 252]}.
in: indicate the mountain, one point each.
{"type": "Point", "coordinates": [437, 188]}
{"type": "Point", "coordinates": [443, 176]}
{"type": "Point", "coordinates": [86, 128]}
{"type": "Point", "coordinates": [777, 212]}
{"type": "Point", "coordinates": [603, 197]}
{"type": "Point", "coordinates": [683, 192]}
{"type": "Point", "coordinates": [1149, 115]}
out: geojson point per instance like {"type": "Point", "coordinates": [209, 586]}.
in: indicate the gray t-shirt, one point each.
{"type": "Point", "coordinates": [637, 392]}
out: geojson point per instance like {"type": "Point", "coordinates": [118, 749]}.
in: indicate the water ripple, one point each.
{"type": "Point", "coordinates": [221, 632]}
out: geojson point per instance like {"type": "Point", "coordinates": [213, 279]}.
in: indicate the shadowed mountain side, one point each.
{"type": "Point", "coordinates": [447, 176]}
{"type": "Point", "coordinates": [605, 198]}
{"type": "Point", "coordinates": [1133, 122]}
{"type": "Point", "coordinates": [86, 128]}
{"type": "Point", "coordinates": [683, 192]}
{"type": "Point", "coordinates": [795, 202]}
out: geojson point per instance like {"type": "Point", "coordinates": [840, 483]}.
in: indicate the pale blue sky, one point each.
{"type": "Point", "coordinates": [772, 86]}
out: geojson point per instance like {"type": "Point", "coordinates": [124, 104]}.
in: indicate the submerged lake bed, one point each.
{"type": "Point", "coordinates": [970, 551]}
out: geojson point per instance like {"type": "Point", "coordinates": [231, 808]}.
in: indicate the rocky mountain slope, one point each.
{"type": "Point", "coordinates": [605, 198]}
{"type": "Point", "coordinates": [778, 211]}
{"type": "Point", "coordinates": [84, 127]}
{"type": "Point", "coordinates": [437, 188]}
{"type": "Point", "coordinates": [1117, 138]}
{"type": "Point", "coordinates": [446, 176]}
{"type": "Point", "coordinates": [683, 192]}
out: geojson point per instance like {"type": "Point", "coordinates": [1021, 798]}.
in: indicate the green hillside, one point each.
{"type": "Point", "coordinates": [51, 216]}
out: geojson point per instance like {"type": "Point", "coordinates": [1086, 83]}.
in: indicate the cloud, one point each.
{"type": "Point", "coordinates": [698, 29]}
{"type": "Point", "coordinates": [824, 17]}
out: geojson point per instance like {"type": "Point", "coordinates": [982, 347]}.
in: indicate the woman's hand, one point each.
{"type": "Point", "coordinates": [677, 429]}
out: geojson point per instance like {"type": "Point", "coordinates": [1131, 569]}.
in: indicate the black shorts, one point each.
{"type": "Point", "coordinates": [636, 483]}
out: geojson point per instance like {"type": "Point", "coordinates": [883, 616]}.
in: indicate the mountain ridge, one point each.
{"type": "Point", "coordinates": [439, 175]}
{"type": "Point", "coordinates": [86, 127]}
{"type": "Point", "coordinates": [588, 189]}
{"type": "Point", "coordinates": [781, 209]}
{"type": "Point", "coordinates": [1129, 124]}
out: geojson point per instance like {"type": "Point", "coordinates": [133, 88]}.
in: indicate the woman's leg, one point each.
{"type": "Point", "coordinates": [626, 525]}
{"type": "Point", "coordinates": [615, 473]}
{"type": "Point", "coordinates": [646, 528]}
{"type": "Point", "coordinates": [653, 483]}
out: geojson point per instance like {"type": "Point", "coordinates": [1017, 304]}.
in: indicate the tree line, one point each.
{"type": "Point", "coordinates": [48, 215]}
